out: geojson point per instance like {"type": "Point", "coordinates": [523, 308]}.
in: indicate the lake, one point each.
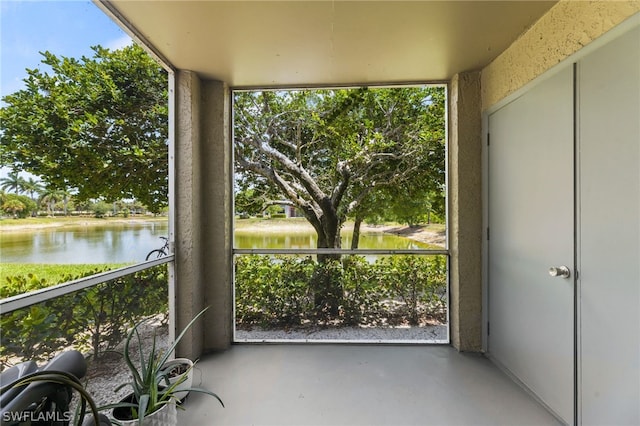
{"type": "Point", "coordinates": [125, 242]}
{"type": "Point", "coordinates": [299, 240]}
{"type": "Point", "coordinates": [129, 242]}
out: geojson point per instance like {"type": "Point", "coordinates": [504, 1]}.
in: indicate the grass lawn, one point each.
{"type": "Point", "coordinates": [52, 272]}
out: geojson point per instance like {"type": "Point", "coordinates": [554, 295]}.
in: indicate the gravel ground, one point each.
{"type": "Point", "coordinates": [426, 334]}
{"type": "Point", "coordinates": [106, 374]}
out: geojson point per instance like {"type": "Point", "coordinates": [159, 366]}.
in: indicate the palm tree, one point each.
{"type": "Point", "coordinates": [65, 198]}
{"type": "Point", "coordinates": [13, 182]}
{"type": "Point", "coordinates": [32, 186]}
{"type": "Point", "coordinates": [50, 197]}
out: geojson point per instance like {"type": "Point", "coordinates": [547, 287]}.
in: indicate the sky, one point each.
{"type": "Point", "coordinates": [64, 28]}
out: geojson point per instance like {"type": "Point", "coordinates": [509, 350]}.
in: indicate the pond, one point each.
{"type": "Point", "coordinates": [123, 242]}
{"type": "Point", "coordinates": [298, 240]}
{"type": "Point", "coordinates": [129, 242]}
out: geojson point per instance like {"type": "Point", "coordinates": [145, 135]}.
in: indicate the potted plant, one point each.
{"type": "Point", "coordinates": [180, 371]}
{"type": "Point", "coordinates": [154, 396]}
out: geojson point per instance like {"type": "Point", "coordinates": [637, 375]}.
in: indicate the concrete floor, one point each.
{"type": "Point", "coordinates": [328, 384]}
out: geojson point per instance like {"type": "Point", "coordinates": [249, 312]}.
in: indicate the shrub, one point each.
{"type": "Point", "coordinates": [273, 291]}
{"type": "Point", "coordinates": [100, 209]}
{"type": "Point", "coordinates": [363, 296]}
{"type": "Point", "coordinates": [19, 206]}
{"type": "Point", "coordinates": [93, 320]}
{"type": "Point", "coordinates": [34, 332]}
{"type": "Point", "coordinates": [110, 308]}
{"type": "Point", "coordinates": [418, 282]}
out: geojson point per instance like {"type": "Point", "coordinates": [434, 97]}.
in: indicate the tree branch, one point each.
{"type": "Point", "coordinates": [295, 169]}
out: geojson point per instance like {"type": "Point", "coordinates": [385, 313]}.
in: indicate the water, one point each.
{"type": "Point", "coordinates": [129, 242]}
{"type": "Point", "coordinates": [298, 240]}
{"type": "Point", "coordinates": [126, 242]}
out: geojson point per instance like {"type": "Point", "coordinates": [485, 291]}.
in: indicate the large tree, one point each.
{"type": "Point", "coordinates": [95, 125]}
{"type": "Point", "coordinates": [336, 154]}
{"type": "Point", "coordinates": [32, 186]}
{"type": "Point", "coordinates": [341, 153]}
{"type": "Point", "coordinates": [13, 182]}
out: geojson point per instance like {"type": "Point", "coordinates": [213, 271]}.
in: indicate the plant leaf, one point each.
{"type": "Point", "coordinates": [169, 351]}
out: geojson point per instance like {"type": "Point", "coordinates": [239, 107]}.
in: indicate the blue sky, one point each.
{"type": "Point", "coordinates": [65, 28]}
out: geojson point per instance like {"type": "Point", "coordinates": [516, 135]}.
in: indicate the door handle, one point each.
{"type": "Point", "coordinates": [560, 271]}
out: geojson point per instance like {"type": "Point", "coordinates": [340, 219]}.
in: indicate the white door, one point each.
{"type": "Point", "coordinates": [531, 229]}
{"type": "Point", "coordinates": [609, 232]}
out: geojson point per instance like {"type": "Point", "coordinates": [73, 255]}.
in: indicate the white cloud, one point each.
{"type": "Point", "coordinates": [119, 43]}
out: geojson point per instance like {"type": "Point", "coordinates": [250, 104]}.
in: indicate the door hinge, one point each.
{"type": "Point", "coordinates": [488, 139]}
{"type": "Point", "coordinates": [488, 328]}
{"type": "Point", "coordinates": [487, 233]}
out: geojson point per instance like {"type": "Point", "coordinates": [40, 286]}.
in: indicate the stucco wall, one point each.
{"type": "Point", "coordinates": [566, 28]}
{"type": "Point", "coordinates": [189, 292]}
{"type": "Point", "coordinates": [465, 211]}
{"type": "Point", "coordinates": [216, 196]}
{"type": "Point", "coordinates": [203, 266]}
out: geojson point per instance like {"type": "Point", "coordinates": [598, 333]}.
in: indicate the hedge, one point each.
{"type": "Point", "coordinates": [93, 320]}
{"type": "Point", "coordinates": [274, 291]}
{"type": "Point", "coordinates": [271, 291]}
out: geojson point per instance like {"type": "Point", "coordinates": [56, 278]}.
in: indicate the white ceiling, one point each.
{"type": "Point", "coordinates": [297, 43]}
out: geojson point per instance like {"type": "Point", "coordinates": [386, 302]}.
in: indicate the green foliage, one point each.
{"type": "Point", "coordinates": [14, 208]}
{"type": "Point", "coordinates": [374, 154]}
{"type": "Point", "coordinates": [93, 320]}
{"type": "Point", "coordinates": [150, 384]}
{"type": "Point", "coordinates": [52, 272]}
{"type": "Point", "coordinates": [247, 203]}
{"type": "Point", "coordinates": [112, 307]}
{"type": "Point", "coordinates": [13, 182]}
{"type": "Point", "coordinates": [276, 291]}
{"type": "Point", "coordinates": [100, 209]}
{"type": "Point", "coordinates": [418, 282]}
{"type": "Point", "coordinates": [273, 291]}
{"type": "Point", "coordinates": [367, 154]}
{"type": "Point", "coordinates": [326, 284]}
{"type": "Point", "coordinates": [32, 187]}
{"type": "Point", "coordinates": [19, 206]}
{"type": "Point", "coordinates": [36, 331]}
{"type": "Point", "coordinates": [274, 211]}
{"type": "Point", "coordinates": [98, 125]}
{"type": "Point", "coordinates": [363, 294]}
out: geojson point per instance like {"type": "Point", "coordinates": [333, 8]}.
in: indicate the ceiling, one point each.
{"type": "Point", "coordinates": [299, 43]}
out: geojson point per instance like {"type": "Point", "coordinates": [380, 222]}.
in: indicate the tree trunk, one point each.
{"type": "Point", "coordinates": [326, 281]}
{"type": "Point", "coordinates": [355, 240]}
